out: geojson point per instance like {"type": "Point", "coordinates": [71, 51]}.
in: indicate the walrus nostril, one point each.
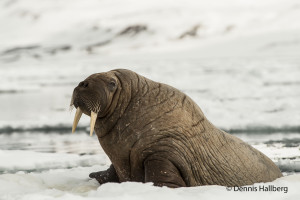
{"type": "Point", "coordinates": [83, 84]}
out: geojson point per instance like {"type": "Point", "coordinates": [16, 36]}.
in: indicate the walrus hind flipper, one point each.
{"type": "Point", "coordinates": [106, 176]}
{"type": "Point", "coordinates": [162, 172]}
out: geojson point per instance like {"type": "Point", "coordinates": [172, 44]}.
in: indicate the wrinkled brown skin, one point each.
{"type": "Point", "coordinates": [152, 132]}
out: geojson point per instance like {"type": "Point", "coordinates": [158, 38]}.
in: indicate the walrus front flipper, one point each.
{"type": "Point", "coordinates": [162, 172]}
{"type": "Point", "coordinates": [106, 176]}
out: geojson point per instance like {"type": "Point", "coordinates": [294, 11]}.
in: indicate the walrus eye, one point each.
{"type": "Point", "coordinates": [112, 84]}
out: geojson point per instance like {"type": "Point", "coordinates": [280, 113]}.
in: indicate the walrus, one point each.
{"type": "Point", "coordinates": [153, 132]}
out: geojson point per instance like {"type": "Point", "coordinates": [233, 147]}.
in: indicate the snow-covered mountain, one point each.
{"type": "Point", "coordinates": [120, 26]}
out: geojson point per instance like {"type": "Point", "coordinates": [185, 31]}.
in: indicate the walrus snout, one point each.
{"type": "Point", "coordinates": [85, 98]}
{"type": "Point", "coordinates": [77, 102]}
{"type": "Point", "coordinates": [94, 97]}
{"type": "Point", "coordinates": [84, 105]}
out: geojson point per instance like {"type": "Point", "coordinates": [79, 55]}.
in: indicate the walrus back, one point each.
{"type": "Point", "coordinates": [204, 154]}
{"type": "Point", "coordinates": [216, 157]}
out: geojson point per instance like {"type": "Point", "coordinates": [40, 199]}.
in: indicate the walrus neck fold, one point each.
{"type": "Point", "coordinates": [120, 102]}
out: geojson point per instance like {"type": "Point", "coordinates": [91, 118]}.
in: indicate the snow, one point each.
{"type": "Point", "coordinates": [57, 167]}
{"type": "Point", "coordinates": [238, 60]}
{"type": "Point", "coordinates": [74, 184]}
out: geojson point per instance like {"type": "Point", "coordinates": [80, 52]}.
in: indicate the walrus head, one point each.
{"type": "Point", "coordinates": [95, 97]}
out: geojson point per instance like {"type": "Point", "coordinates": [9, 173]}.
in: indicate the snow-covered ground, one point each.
{"type": "Point", "coordinates": [239, 60]}
{"type": "Point", "coordinates": [72, 184]}
{"type": "Point", "coordinates": [54, 166]}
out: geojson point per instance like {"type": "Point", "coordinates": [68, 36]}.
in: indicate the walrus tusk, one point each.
{"type": "Point", "coordinates": [76, 119]}
{"type": "Point", "coordinates": [93, 121]}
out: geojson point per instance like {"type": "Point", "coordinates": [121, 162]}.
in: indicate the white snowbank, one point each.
{"type": "Point", "coordinates": [74, 184]}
